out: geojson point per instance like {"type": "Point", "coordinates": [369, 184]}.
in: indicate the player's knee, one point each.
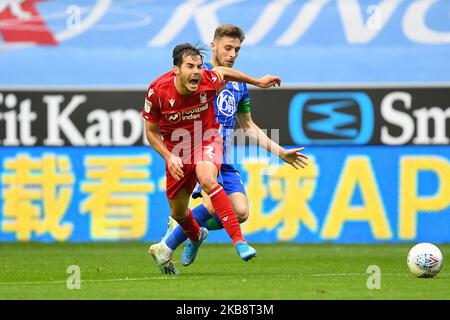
{"type": "Point", "coordinates": [208, 183]}
{"type": "Point", "coordinates": [242, 214]}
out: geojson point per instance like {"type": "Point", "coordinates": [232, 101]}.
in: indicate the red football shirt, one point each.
{"type": "Point", "coordinates": [182, 118]}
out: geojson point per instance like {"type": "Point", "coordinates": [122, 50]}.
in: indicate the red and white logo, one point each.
{"type": "Point", "coordinates": [203, 97]}
{"type": "Point", "coordinates": [22, 24]}
{"type": "Point", "coordinates": [433, 261]}
{"type": "Point", "coordinates": [20, 21]}
{"type": "Point", "coordinates": [171, 101]}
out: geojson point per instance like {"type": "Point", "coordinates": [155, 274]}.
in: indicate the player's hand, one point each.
{"type": "Point", "coordinates": [175, 165]}
{"type": "Point", "coordinates": [294, 157]}
{"type": "Point", "coordinates": [268, 81]}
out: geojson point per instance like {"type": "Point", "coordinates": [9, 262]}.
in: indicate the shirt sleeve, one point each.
{"type": "Point", "coordinates": [244, 103]}
{"type": "Point", "coordinates": [152, 106]}
{"type": "Point", "coordinates": [217, 80]}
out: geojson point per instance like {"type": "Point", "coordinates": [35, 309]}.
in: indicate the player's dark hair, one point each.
{"type": "Point", "coordinates": [185, 50]}
{"type": "Point", "coordinates": [229, 30]}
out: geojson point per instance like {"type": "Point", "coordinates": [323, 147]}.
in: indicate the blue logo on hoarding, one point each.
{"type": "Point", "coordinates": [331, 118]}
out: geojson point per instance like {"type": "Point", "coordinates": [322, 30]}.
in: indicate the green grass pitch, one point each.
{"type": "Point", "coordinates": [281, 271]}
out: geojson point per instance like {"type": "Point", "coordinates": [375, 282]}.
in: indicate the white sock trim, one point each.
{"type": "Point", "coordinates": [215, 192]}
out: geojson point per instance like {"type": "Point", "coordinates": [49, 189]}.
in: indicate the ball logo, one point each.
{"type": "Point", "coordinates": [173, 117]}
{"type": "Point", "coordinates": [432, 261]}
{"type": "Point", "coordinates": [226, 104]}
{"type": "Point", "coordinates": [331, 118]}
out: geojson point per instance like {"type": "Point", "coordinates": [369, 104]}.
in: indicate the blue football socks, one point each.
{"type": "Point", "coordinates": [177, 237]}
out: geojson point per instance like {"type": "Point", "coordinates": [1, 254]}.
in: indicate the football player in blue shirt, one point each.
{"type": "Point", "coordinates": [232, 104]}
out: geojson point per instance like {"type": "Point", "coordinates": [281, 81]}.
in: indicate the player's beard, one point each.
{"type": "Point", "coordinates": [190, 87]}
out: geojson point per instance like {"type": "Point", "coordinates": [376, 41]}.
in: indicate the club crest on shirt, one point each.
{"type": "Point", "coordinates": [226, 104]}
{"type": "Point", "coordinates": [203, 97]}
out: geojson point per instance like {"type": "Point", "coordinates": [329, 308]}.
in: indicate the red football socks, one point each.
{"type": "Point", "coordinates": [224, 210]}
{"type": "Point", "coordinates": [190, 227]}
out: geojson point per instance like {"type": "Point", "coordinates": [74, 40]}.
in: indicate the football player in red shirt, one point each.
{"type": "Point", "coordinates": [181, 127]}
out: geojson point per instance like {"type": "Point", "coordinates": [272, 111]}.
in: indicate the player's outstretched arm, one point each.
{"type": "Point", "coordinates": [294, 157]}
{"type": "Point", "coordinates": [174, 163]}
{"type": "Point", "coordinates": [229, 74]}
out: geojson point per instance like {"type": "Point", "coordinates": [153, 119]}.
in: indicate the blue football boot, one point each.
{"type": "Point", "coordinates": [245, 251]}
{"type": "Point", "coordinates": [191, 248]}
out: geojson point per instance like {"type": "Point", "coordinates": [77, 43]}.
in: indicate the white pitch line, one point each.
{"type": "Point", "coordinates": [88, 280]}
{"type": "Point", "coordinates": [174, 277]}
{"type": "Point", "coordinates": [397, 274]}
{"type": "Point", "coordinates": [334, 274]}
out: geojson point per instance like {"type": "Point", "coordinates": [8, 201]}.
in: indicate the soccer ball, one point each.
{"type": "Point", "coordinates": [425, 260]}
